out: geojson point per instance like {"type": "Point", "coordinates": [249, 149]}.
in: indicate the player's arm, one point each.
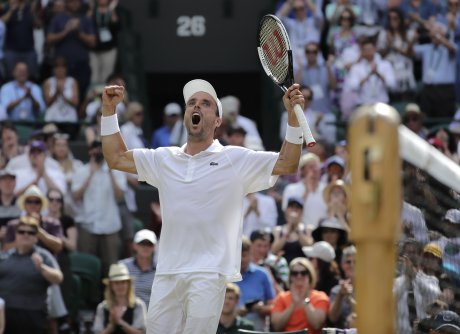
{"type": "Point", "coordinates": [113, 146]}
{"type": "Point", "coordinates": [288, 160]}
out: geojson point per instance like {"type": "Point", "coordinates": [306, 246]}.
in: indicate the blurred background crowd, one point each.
{"type": "Point", "coordinates": [79, 240]}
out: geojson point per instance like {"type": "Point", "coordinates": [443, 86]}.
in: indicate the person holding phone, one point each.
{"type": "Point", "coordinates": [98, 189]}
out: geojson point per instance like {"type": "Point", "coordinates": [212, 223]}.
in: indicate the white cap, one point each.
{"type": "Point", "coordinates": [321, 250]}
{"type": "Point", "coordinates": [145, 235]}
{"type": "Point", "coordinates": [172, 109]}
{"type": "Point", "coordinates": [199, 85]}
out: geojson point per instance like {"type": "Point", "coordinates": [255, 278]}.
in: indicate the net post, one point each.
{"type": "Point", "coordinates": [375, 213]}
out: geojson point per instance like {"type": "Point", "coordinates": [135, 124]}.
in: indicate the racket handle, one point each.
{"type": "Point", "coordinates": [304, 126]}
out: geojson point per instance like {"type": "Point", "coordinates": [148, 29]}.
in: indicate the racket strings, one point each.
{"type": "Point", "coordinates": [275, 50]}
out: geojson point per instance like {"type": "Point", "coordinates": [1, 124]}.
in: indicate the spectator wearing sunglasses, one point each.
{"type": "Point", "coordinates": [26, 271]}
{"type": "Point", "coordinates": [302, 306]}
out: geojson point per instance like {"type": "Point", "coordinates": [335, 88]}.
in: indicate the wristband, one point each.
{"type": "Point", "coordinates": [109, 125]}
{"type": "Point", "coordinates": [294, 135]}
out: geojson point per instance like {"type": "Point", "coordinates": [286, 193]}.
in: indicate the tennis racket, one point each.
{"type": "Point", "coordinates": [275, 55]}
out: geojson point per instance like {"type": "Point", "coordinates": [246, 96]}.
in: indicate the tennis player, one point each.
{"type": "Point", "coordinates": [201, 187]}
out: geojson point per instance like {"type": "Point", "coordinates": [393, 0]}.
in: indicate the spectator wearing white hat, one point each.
{"type": "Point", "coordinates": [162, 136]}
{"type": "Point", "coordinates": [231, 111]}
{"type": "Point", "coordinates": [322, 256]}
{"type": "Point", "coordinates": [120, 311]}
{"type": "Point", "coordinates": [413, 119]}
{"type": "Point", "coordinates": [142, 265]}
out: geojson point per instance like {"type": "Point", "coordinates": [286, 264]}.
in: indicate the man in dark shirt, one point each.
{"type": "Point", "coordinates": [26, 271]}
{"type": "Point", "coordinates": [230, 322]}
{"type": "Point", "coordinates": [72, 34]}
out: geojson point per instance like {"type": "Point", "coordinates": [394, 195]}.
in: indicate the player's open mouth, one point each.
{"type": "Point", "coordinates": [196, 118]}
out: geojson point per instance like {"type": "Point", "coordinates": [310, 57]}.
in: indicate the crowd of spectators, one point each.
{"type": "Point", "coordinates": [298, 262]}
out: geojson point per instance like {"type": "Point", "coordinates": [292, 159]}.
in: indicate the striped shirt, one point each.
{"type": "Point", "coordinates": [143, 280]}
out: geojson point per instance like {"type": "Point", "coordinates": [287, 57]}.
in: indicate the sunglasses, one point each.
{"type": "Point", "coordinates": [350, 262]}
{"type": "Point", "coordinates": [55, 199]}
{"type": "Point", "coordinates": [311, 51]}
{"type": "Point", "coordinates": [345, 18]}
{"type": "Point", "coordinates": [23, 232]}
{"type": "Point", "coordinates": [33, 201]}
{"type": "Point", "coordinates": [302, 273]}
{"type": "Point", "coordinates": [145, 243]}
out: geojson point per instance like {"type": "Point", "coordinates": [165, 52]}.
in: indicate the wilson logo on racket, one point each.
{"type": "Point", "coordinates": [272, 48]}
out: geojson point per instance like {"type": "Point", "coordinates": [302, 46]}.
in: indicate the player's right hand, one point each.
{"type": "Point", "coordinates": [112, 95]}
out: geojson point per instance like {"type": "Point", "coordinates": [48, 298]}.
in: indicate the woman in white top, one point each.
{"type": "Point", "coordinates": [61, 95]}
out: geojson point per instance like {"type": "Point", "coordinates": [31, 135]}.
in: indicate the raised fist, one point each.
{"type": "Point", "coordinates": [112, 95]}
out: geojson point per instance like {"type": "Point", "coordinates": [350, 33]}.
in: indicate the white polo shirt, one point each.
{"type": "Point", "coordinates": [201, 200]}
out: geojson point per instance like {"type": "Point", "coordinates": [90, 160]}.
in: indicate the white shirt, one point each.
{"type": "Point", "coordinates": [201, 200]}
{"type": "Point", "coordinates": [374, 89]}
{"type": "Point", "coordinates": [100, 209]}
{"type": "Point", "coordinates": [314, 207]}
{"type": "Point", "coordinates": [413, 218]}
{"type": "Point", "coordinates": [25, 174]}
{"type": "Point", "coordinates": [267, 218]}
{"type": "Point", "coordinates": [131, 134]}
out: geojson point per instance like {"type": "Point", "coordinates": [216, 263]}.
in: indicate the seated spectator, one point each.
{"type": "Point", "coordinates": [93, 131]}
{"type": "Point", "coordinates": [302, 306]}
{"type": "Point", "coordinates": [61, 152]}
{"type": "Point", "coordinates": [336, 196]}
{"type": "Point", "coordinates": [10, 146]}
{"type": "Point", "coordinates": [142, 265]}
{"type": "Point", "coordinates": [342, 296]}
{"type": "Point", "coordinates": [8, 208]}
{"type": "Point", "coordinates": [19, 17]}
{"type": "Point", "coordinates": [69, 241]}
{"type": "Point", "coordinates": [310, 188]}
{"type": "Point", "coordinates": [319, 76]}
{"type": "Point", "coordinates": [332, 231]}
{"type": "Point", "coordinates": [414, 290]}
{"type": "Point", "coordinates": [120, 311]}
{"type": "Point", "coordinates": [261, 255]}
{"type": "Point", "coordinates": [92, 103]}
{"type": "Point", "coordinates": [371, 77]}
{"type": "Point", "coordinates": [395, 45]}
{"type": "Point", "coordinates": [232, 115]}
{"type": "Point", "coordinates": [260, 213]}
{"type": "Point", "coordinates": [437, 98]}
{"type": "Point", "coordinates": [34, 203]}
{"type": "Point", "coordinates": [340, 39]}
{"type": "Point", "coordinates": [26, 271]}
{"type": "Point", "coordinates": [291, 237]}
{"type": "Point", "coordinates": [444, 322]}
{"type": "Point", "coordinates": [72, 35]}
{"type": "Point", "coordinates": [61, 95]}
{"type": "Point", "coordinates": [38, 169]}
{"type": "Point", "coordinates": [172, 117]}
{"type": "Point", "coordinates": [305, 26]}
{"type": "Point", "coordinates": [321, 124]}
{"type": "Point", "coordinates": [230, 321]}
{"type": "Point", "coordinates": [334, 13]}
{"type": "Point", "coordinates": [132, 129]}
{"type": "Point", "coordinates": [94, 185]}
{"type": "Point", "coordinates": [104, 54]}
{"type": "Point", "coordinates": [256, 289]}
{"type": "Point", "coordinates": [322, 255]}
{"type": "Point", "coordinates": [334, 169]}
{"type": "Point", "coordinates": [21, 98]}
{"type": "Point", "coordinates": [413, 119]}
{"type": "Point", "coordinates": [236, 136]}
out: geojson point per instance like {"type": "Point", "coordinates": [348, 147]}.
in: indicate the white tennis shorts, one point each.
{"type": "Point", "coordinates": [188, 303]}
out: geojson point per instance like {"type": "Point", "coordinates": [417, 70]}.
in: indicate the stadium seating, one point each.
{"type": "Point", "coordinates": [245, 331]}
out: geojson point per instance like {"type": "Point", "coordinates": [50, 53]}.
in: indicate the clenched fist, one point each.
{"type": "Point", "coordinates": [111, 96]}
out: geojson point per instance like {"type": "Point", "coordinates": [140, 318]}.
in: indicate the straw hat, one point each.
{"type": "Point", "coordinates": [32, 191]}
{"type": "Point", "coordinates": [118, 272]}
{"type": "Point", "coordinates": [337, 183]}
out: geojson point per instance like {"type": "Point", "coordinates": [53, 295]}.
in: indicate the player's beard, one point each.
{"type": "Point", "coordinates": [198, 134]}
